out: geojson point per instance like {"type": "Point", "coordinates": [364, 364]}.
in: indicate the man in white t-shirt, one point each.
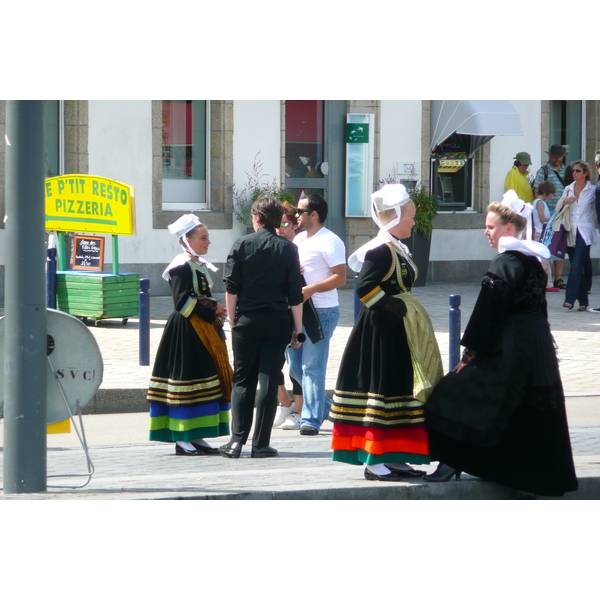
{"type": "Point", "coordinates": [323, 261]}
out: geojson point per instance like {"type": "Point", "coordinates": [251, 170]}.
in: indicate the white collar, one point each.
{"type": "Point", "coordinates": [528, 247]}
{"type": "Point", "coordinates": [357, 258]}
{"type": "Point", "coordinates": [181, 259]}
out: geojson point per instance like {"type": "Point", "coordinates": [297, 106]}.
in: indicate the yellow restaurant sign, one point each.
{"type": "Point", "coordinates": [87, 203]}
{"type": "Point", "coordinates": [451, 165]}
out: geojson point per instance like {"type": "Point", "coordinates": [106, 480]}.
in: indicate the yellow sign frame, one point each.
{"type": "Point", "coordinates": [89, 204]}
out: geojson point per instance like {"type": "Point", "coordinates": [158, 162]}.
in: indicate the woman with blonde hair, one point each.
{"type": "Point", "coordinates": [500, 415]}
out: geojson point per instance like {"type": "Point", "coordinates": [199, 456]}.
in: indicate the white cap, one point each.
{"type": "Point", "coordinates": [512, 201]}
{"type": "Point", "coordinates": [184, 224]}
{"type": "Point", "coordinates": [523, 209]}
{"type": "Point", "coordinates": [390, 196]}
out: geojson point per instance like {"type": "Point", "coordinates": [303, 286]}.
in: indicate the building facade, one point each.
{"type": "Point", "coordinates": [189, 155]}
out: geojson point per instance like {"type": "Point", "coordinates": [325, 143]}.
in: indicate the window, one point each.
{"type": "Point", "coordinates": [217, 165]}
{"type": "Point", "coordinates": [304, 144]}
{"type": "Point", "coordinates": [566, 126]}
{"type": "Point", "coordinates": [184, 152]}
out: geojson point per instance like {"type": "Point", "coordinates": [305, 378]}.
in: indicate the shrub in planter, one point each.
{"type": "Point", "coordinates": [255, 187]}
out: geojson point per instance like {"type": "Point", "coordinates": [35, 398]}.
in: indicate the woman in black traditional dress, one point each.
{"type": "Point", "coordinates": [500, 415]}
{"type": "Point", "coordinates": [190, 388]}
{"type": "Point", "coordinates": [391, 361]}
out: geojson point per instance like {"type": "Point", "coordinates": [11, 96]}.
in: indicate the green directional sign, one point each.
{"type": "Point", "coordinates": [357, 133]}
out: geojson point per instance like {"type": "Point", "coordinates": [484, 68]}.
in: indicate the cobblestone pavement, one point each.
{"type": "Point", "coordinates": [577, 335]}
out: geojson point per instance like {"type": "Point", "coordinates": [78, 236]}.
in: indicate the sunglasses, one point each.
{"type": "Point", "coordinates": [299, 211]}
{"type": "Point", "coordinates": [577, 170]}
{"type": "Point", "coordinates": [282, 224]}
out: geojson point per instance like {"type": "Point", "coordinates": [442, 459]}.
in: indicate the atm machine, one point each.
{"type": "Point", "coordinates": [452, 182]}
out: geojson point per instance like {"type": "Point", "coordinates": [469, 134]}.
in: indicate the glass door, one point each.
{"type": "Point", "coordinates": [315, 154]}
{"type": "Point", "coordinates": [566, 127]}
{"type": "Point", "coordinates": [305, 167]}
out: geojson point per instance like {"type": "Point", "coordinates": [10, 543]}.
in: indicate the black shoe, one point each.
{"type": "Point", "coordinates": [406, 473]}
{"type": "Point", "coordinates": [231, 449]}
{"type": "Point", "coordinates": [308, 430]}
{"type": "Point", "coordinates": [389, 477]}
{"type": "Point", "coordinates": [205, 449]}
{"type": "Point", "coordinates": [443, 473]}
{"type": "Point", "coordinates": [183, 452]}
{"type": "Point", "coordinates": [263, 452]}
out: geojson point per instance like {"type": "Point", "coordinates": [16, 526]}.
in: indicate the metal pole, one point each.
{"type": "Point", "coordinates": [357, 302]}
{"type": "Point", "coordinates": [25, 322]}
{"type": "Point", "coordinates": [51, 277]}
{"type": "Point", "coordinates": [454, 330]}
{"type": "Point", "coordinates": [115, 254]}
{"type": "Point", "coordinates": [144, 322]}
{"type": "Point", "coordinates": [63, 263]}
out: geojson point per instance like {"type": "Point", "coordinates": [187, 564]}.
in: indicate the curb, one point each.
{"type": "Point", "coordinates": [117, 400]}
{"type": "Point", "coordinates": [468, 489]}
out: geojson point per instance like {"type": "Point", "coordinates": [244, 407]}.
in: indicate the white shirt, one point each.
{"type": "Point", "coordinates": [318, 254]}
{"type": "Point", "coordinates": [537, 223]}
{"type": "Point", "coordinates": [582, 212]}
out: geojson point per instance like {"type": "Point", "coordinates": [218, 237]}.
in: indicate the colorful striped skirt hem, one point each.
{"type": "Point", "coordinates": [187, 423]}
{"type": "Point", "coordinates": [370, 445]}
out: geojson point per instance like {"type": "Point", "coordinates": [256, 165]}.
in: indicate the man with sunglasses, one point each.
{"type": "Point", "coordinates": [323, 261]}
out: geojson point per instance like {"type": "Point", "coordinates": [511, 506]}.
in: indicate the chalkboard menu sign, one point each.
{"type": "Point", "coordinates": [88, 253]}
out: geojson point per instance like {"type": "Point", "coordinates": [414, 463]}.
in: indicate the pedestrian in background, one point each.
{"type": "Point", "coordinates": [516, 178]}
{"type": "Point", "coordinates": [554, 171]}
{"type": "Point", "coordinates": [323, 260]}
{"type": "Point", "coordinates": [289, 411]}
{"type": "Point", "coordinates": [541, 215]}
{"type": "Point", "coordinates": [597, 165]}
{"type": "Point", "coordinates": [581, 197]}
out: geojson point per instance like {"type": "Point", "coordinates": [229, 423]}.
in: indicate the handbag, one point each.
{"type": "Point", "coordinates": [555, 241]}
{"type": "Point", "coordinates": [311, 321]}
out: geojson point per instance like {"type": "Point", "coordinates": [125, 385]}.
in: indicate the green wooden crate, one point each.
{"type": "Point", "coordinates": [98, 295]}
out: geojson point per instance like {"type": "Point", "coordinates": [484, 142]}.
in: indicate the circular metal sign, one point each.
{"type": "Point", "coordinates": [74, 365]}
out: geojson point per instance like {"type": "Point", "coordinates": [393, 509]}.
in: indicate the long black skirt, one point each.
{"type": "Point", "coordinates": [503, 418]}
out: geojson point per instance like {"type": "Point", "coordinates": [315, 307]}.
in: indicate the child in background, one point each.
{"type": "Point", "coordinates": [541, 215]}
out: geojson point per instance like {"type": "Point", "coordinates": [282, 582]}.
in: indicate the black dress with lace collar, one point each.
{"type": "Point", "coordinates": [502, 417]}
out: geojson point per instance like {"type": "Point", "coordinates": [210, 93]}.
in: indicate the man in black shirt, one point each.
{"type": "Point", "coordinates": [263, 286]}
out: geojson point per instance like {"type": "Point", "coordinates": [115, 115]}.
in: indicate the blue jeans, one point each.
{"type": "Point", "coordinates": [308, 365]}
{"type": "Point", "coordinates": [577, 286]}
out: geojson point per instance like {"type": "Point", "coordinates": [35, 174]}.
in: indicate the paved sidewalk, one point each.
{"type": "Point", "coordinates": [577, 335]}
{"type": "Point", "coordinates": [127, 466]}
